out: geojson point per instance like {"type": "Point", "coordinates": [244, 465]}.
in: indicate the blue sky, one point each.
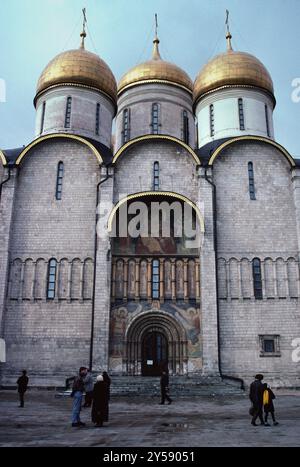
{"type": "Point", "coordinates": [191, 31]}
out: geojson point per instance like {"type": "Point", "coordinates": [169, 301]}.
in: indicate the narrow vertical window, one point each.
{"type": "Point", "coordinates": [155, 279]}
{"type": "Point", "coordinates": [212, 120]}
{"type": "Point", "coordinates": [97, 119]}
{"type": "Point", "coordinates": [126, 126]}
{"type": "Point", "coordinates": [59, 180]}
{"type": "Point", "coordinates": [155, 119]}
{"type": "Point", "coordinates": [156, 176]}
{"type": "Point", "coordinates": [43, 117]}
{"type": "Point", "coordinates": [267, 120]}
{"type": "Point", "coordinates": [251, 180]}
{"type": "Point", "coordinates": [241, 114]}
{"type": "Point", "coordinates": [51, 282]}
{"type": "Point", "coordinates": [257, 282]}
{"type": "Point", "coordinates": [68, 113]}
{"type": "Point", "coordinates": [186, 135]}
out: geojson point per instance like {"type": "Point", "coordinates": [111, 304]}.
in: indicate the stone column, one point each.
{"type": "Point", "coordinates": [208, 286]}
{"type": "Point", "coordinates": [103, 279]}
{"type": "Point", "coordinates": [6, 215]}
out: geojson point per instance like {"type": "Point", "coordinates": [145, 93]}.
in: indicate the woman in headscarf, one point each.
{"type": "Point", "coordinates": [100, 402]}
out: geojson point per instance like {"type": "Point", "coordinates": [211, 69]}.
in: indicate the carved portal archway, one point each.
{"type": "Point", "coordinates": [155, 323]}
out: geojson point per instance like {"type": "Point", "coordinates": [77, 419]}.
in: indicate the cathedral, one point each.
{"type": "Point", "coordinates": [83, 278]}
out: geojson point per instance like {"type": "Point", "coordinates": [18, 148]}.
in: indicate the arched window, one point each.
{"type": "Point", "coordinates": [212, 119]}
{"type": "Point", "coordinates": [241, 114]}
{"type": "Point", "coordinates": [97, 128]}
{"type": "Point", "coordinates": [185, 119]}
{"type": "Point", "coordinates": [251, 180]}
{"type": "Point", "coordinates": [267, 120]}
{"type": "Point", "coordinates": [51, 282]}
{"type": "Point", "coordinates": [155, 278]}
{"type": "Point", "coordinates": [257, 281]}
{"type": "Point", "coordinates": [59, 180]}
{"type": "Point", "coordinates": [126, 126]}
{"type": "Point", "coordinates": [156, 176]}
{"type": "Point", "coordinates": [68, 113]}
{"type": "Point", "coordinates": [43, 117]}
{"type": "Point", "coordinates": [155, 119]}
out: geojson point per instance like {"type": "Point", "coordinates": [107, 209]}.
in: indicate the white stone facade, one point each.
{"type": "Point", "coordinates": [216, 315]}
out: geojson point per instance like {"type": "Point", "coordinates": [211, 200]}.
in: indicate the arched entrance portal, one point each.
{"type": "Point", "coordinates": [154, 353]}
{"type": "Point", "coordinates": [155, 341]}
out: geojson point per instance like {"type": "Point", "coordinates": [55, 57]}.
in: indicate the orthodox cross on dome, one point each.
{"type": "Point", "coordinates": [228, 35]}
{"type": "Point", "coordinates": [155, 53]}
{"type": "Point", "coordinates": [83, 34]}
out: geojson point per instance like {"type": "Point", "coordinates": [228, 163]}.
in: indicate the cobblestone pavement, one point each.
{"type": "Point", "coordinates": [203, 421]}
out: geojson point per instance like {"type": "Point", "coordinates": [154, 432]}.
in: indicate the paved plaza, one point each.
{"type": "Point", "coordinates": [201, 421]}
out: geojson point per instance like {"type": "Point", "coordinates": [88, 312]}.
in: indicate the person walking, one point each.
{"type": "Point", "coordinates": [88, 386]}
{"type": "Point", "coordinates": [100, 402]}
{"type": "Point", "coordinates": [256, 397]}
{"type": "Point", "coordinates": [22, 386]}
{"type": "Point", "coordinates": [268, 397]}
{"type": "Point", "coordinates": [164, 388]}
{"type": "Point", "coordinates": [107, 380]}
{"type": "Point", "coordinates": [77, 394]}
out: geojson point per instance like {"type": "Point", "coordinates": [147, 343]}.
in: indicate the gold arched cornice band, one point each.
{"type": "Point", "coordinates": [59, 135]}
{"type": "Point", "coordinates": [280, 148]}
{"type": "Point", "coordinates": [162, 194]}
{"type": "Point", "coordinates": [3, 158]}
{"type": "Point", "coordinates": [155, 137]}
{"type": "Point", "coordinates": [155, 81]}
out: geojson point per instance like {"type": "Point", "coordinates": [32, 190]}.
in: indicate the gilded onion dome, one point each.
{"type": "Point", "coordinates": [155, 70]}
{"type": "Point", "coordinates": [80, 68]}
{"type": "Point", "coordinates": [232, 69]}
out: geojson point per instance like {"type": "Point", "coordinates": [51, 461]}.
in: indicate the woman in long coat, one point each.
{"type": "Point", "coordinates": [100, 402]}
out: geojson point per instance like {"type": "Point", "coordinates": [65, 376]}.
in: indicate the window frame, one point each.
{"type": "Point", "coordinates": [185, 127]}
{"type": "Point", "coordinates": [257, 279]}
{"type": "Point", "coordinates": [251, 181]}
{"type": "Point", "coordinates": [51, 279]}
{"type": "Point", "coordinates": [43, 117]}
{"type": "Point", "coordinates": [155, 118]}
{"type": "Point", "coordinates": [68, 112]}
{"type": "Point", "coordinates": [156, 176]}
{"type": "Point", "coordinates": [59, 180]}
{"type": "Point", "coordinates": [212, 120]}
{"type": "Point", "coordinates": [97, 124]}
{"type": "Point", "coordinates": [263, 338]}
{"type": "Point", "coordinates": [267, 121]}
{"type": "Point", "coordinates": [241, 114]}
{"type": "Point", "coordinates": [155, 279]}
{"type": "Point", "coordinates": [126, 126]}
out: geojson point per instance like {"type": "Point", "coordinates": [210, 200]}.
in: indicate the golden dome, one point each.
{"type": "Point", "coordinates": [78, 67]}
{"type": "Point", "coordinates": [232, 68]}
{"type": "Point", "coordinates": [156, 70]}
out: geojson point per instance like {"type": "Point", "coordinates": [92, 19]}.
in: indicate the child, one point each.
{"type": "Point", "coordinates": [268, 397]}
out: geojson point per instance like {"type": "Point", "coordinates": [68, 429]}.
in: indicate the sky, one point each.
{"type": "Point", "coordinates": [121, 31]}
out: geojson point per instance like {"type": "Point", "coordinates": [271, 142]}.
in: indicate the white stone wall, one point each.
{"type": "Point", "coordinates": [172, 102]}
{"type": "Point", "coordinates": [226, 114]}
{"type": "Point", "coordinates": [83, 115]}
{"type": "Point", "coordinates": [264, 228]}
{"type": "Point", "coordinates": [51, 337]}
{"type": "Point", "coordinates": [177, 168]}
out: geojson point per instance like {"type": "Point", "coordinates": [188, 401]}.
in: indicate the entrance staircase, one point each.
{"type": "Point", "coordinates": [180, 386]}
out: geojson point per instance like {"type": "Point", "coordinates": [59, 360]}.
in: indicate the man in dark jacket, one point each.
{"type": "Point", "coordinates": [77, 394]}
{"type": "Point", "coordinates": [164, 388]}
{"type": "Point", "coordinates": [256, 397]}
{"type": "Point", "coordinates": [22, 386]}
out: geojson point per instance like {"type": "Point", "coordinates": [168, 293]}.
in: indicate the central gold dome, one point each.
{"type": "Point", "coordinates": [78, 67]}
{"type": "Point", "coordinates": [156, 70]}
{"type": "Point", "coordinates": [232, 68]}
